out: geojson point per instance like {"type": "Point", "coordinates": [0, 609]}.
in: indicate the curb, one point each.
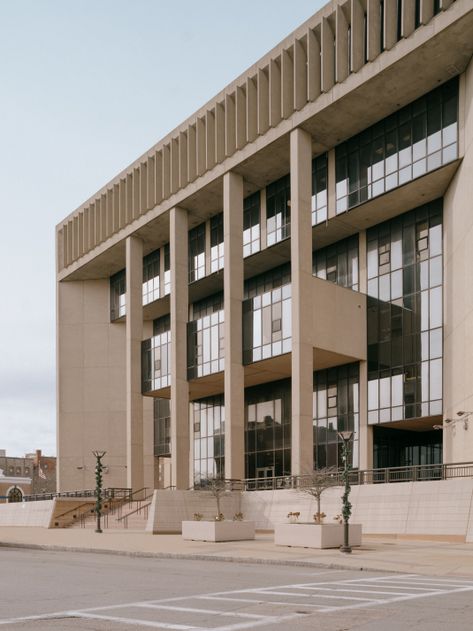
{"type": "Point", "coordinates": [198, 557]}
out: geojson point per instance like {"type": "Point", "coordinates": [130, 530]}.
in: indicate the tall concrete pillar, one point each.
{"type": "Point", "coordinates": [302, 457]}
{"type": "Point", "coordinates": [366, 431]}
{"type": "Point", "coordinates": [180, 435]}
{"type": "Point", "coordinates": [233, 297]}
{"type": "Point", "coordinates": [134, 335]}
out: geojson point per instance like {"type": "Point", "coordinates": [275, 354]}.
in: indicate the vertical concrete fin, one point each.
{"type": "Point", "coordinates": [159, 176]}
{"type": "Point", "coordinates": [136, 196]}
{"type": "Point", "coordinates": [220, 132]}
{"type": "Point", "coordinates": [166, 171]}
{"type": "Point", "coordinates": [182, 159]}
{"type": "Point", "coordinates": [373, 29]}
{"type": "Point", "coordinates": [341, 38]}
{"type": "Point", "coordinates": [263, 100]}
{"type": "Point", "coordinates": [313, 66]}
{"type": "Point", "coordinates": [274, 92]}
{"type": "Point", "coordinates": [151, 182]}
{"type": "Point", "coordinates": [230, 124]}
{"type": "Point", "coordinates": [426, 11]}
{"type": "Point", "coordinates": [408, 17]}
{"type": "Point", "coordinates": [143, 191]}
{"type": "Point", "coordinates": [174, 165]}
{"type": "Point", "coordinates": [389, 24]}
{"type": "Point", "coordinates": [80, 234]}
{"type": "Point", "coordinates": [191, 153]}
{"type": "Point", "coordinates": [210, 138]}
{"type": "Point", "coordinates": [251, 110]}
{"type": "Point", "coordinates": [287, 83]}
{"type": "Point", "coordinates": [300, 73]}
{"type": "Point", "coordinates": [201, 142]}
{"type": "Point", "coordinates": [328, 56]}
{"type": "Point", "coordinates": [357, 40]}
{"type": "Point", "coordinates": [240, 117]}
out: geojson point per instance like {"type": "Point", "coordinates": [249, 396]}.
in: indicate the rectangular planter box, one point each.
{"type": "Point", "coordinates": [315, 535]}
{"type": "Point", "coordinates": [218, 530]}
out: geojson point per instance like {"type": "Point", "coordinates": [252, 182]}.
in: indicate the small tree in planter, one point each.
{"type": "Point", "coordinates": [315, 483]}
{"type": "Point", "coordinates": [217, 487]}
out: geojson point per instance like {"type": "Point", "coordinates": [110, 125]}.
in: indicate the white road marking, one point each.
{"type": "Point", "coordinates": [381, 585]}
{"type": "Point", "coordinates": [215, 612]}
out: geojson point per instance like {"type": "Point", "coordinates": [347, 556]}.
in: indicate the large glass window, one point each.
{"type": "Point", "coordinates": [268, 430]}
{"type": "Point", "coordinates": [411, 142]}
{"type": "Point", "coordinates": [319, 189]}
{"type": "Point", "coordinates": [167, 269]}
{"type": "Point", "coordinates": [156, 356]}
{"type": "Point", "coordinates": [208, 418]}
{"type": "Point", "coordinates": [197, 253]}
{"type": "Point", "coordinates": [151, 277]}
{"type": "Point", "coordinates": [338, 263]}
{"type": "Point", "coordinates": [251, 225]}
{"type": "Point", "coordinates": [405, 316]}
{"type": "Point", "coordinates": [118, 295]}
{"type": "Point", "coordinates": [205, 334]}
{"type": "Point", "coordinates": [267, 315]}
{"type": "Point", "coordinates": [162, 427]}
{"type": "Point", "coordinates": [216, 243]}
{"type": "Point", "coordinates": [278, 209]}
{"type": "Point", "coordinates": [335, 409]}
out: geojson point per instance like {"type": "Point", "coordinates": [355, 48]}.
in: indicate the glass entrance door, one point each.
{"type": "Point", "coordinates": [264, 477]}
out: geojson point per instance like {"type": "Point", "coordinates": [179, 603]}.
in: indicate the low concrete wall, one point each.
{"type": "Point", "coordinates": [170, 508]}
{"type": "Point", "coordinates": [439, 508]}
{"type": "Point", "coordinates": [28, 513]}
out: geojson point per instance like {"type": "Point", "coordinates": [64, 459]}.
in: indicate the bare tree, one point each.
{"type": "Point", "coordinates": [217, 487]}
{"type": "Point", "coordinates": [315, 483]}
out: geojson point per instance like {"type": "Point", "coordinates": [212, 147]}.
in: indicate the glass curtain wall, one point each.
{"type": "Point", "coordinates": [267, 315]}
{"type": "Point", "coordinates": [319, 189]}
{"type": "Point", "coordinates": [197, 253]}
{"type": "Point", "coordinates": [338, 263]}
{"type": "Point", "coordinates": [167, 269]}
{"type": "Point", "coordinates": [216, 243]}
{"type": "Point", "coordinates": [268, 430]}
{"type": "Point", "coordinates": [208, 418]}
{"type": "Point", "coordinates": [156, 356]}
{"type": "Point", "coordinates": [251, 225]}
{"type": "Point", "coordinates": [278, 210]}
{"type": "Point", "coordinates": [415, 140]}
{"type": "Point", "coordinates": [205, 337]}
{"type": "Point", "coordinates": [336, 408]}
{"type": "Point", "coordinates": [162, 427]}
{"type": "Point", "coordinates": [405, 316]}
{"type": "Point", "coordinates": [118, 295]}
{"type": "Point", "coordinates": [151, 277]}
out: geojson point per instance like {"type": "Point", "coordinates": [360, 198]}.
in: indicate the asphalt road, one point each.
{"type": "Point", "coordinates": [49, 591]}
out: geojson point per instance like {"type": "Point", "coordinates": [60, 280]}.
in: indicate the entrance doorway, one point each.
{"type": "Point", "coordinates": [263, 476]}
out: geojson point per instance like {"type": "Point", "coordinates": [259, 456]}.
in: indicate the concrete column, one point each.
{"type": "Point", "coordinates": [134, 335]}
{"type": "Point", "coordinates": [302, 456]}
{"type": "Point", "coordinates": [233, 297]}
{"type": "Point", "coordinates": [180, 446]}
{"type": "Point", "coordinates": [366, 431]}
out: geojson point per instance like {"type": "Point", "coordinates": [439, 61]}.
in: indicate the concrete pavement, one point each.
{"type": "Point", "coordinates": [431, 558]}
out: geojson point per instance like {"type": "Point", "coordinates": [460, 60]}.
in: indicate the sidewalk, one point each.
{"type": "Point", "coordinates": [431, 558]}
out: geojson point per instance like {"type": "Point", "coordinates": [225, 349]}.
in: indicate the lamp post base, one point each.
{"type": "Point", "coordinates": [345, 549]}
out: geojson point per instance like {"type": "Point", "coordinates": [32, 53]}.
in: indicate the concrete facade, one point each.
{"type": "Point", "coordinates": [179, 332]}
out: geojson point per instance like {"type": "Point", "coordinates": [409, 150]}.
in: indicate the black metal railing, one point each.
{"type": "Point", "coordinates": [413, 473]}
{"type": "Point", "coordinates": [111, 493]}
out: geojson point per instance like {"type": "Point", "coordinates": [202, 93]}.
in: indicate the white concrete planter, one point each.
{"type": "Point", "coordinates": [306, 535]}
{"type": "Point", "coordinates": [218, 530]}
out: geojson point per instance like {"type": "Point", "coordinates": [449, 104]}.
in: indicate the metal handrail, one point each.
{"type": "Point", "coordinates": [410, 473]}
{"type": "Point", "coordinates": [124, 518]}
{"type": "Point", "coordinates": [112, 493]}
{"type": "Point", "coordinates": [75, 509]}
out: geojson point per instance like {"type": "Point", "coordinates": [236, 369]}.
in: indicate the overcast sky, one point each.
{"type": "Point", "coordinates": [86, 86]}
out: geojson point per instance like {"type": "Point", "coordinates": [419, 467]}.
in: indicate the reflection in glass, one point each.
{"type": "Point", "coordinates": [278, 210]}
{"type": "Point", "coordinates": [338, 263]}
{"type": "Point", "coordinates": [118, 295]}
{"type": "Point", "coordinates": [205, 337]}
{"type": "Point", "coordinates": [208, 421]}
{"type": "Point", "coordinates": [156, 357]}
{"type": "Point", "coordinates": [251, 225]}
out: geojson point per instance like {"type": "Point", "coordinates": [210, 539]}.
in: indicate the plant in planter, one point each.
{"type": "Point", "coordinates": [315, 483]}
{"type": "Point", "coordinates": [198, 516]}
{"type": "Point", "coordinates": [217, 487]}
{"type": "Point", "coordinates": [238, 517]}
{"type": "Point", "coordinates": [293, 516]}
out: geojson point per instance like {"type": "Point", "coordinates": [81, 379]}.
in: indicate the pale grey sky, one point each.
{"type": "Point", "coordinates": [86, 86]}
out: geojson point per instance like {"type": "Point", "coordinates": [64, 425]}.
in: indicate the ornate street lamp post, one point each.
{"type": "Point", "coordinates": [98, 486]}
{"type": "Point", "coordinates": [346, 505]}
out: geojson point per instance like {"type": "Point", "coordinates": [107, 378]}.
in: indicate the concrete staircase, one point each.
{"type": "Point", "coordinates": [131, 516]}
